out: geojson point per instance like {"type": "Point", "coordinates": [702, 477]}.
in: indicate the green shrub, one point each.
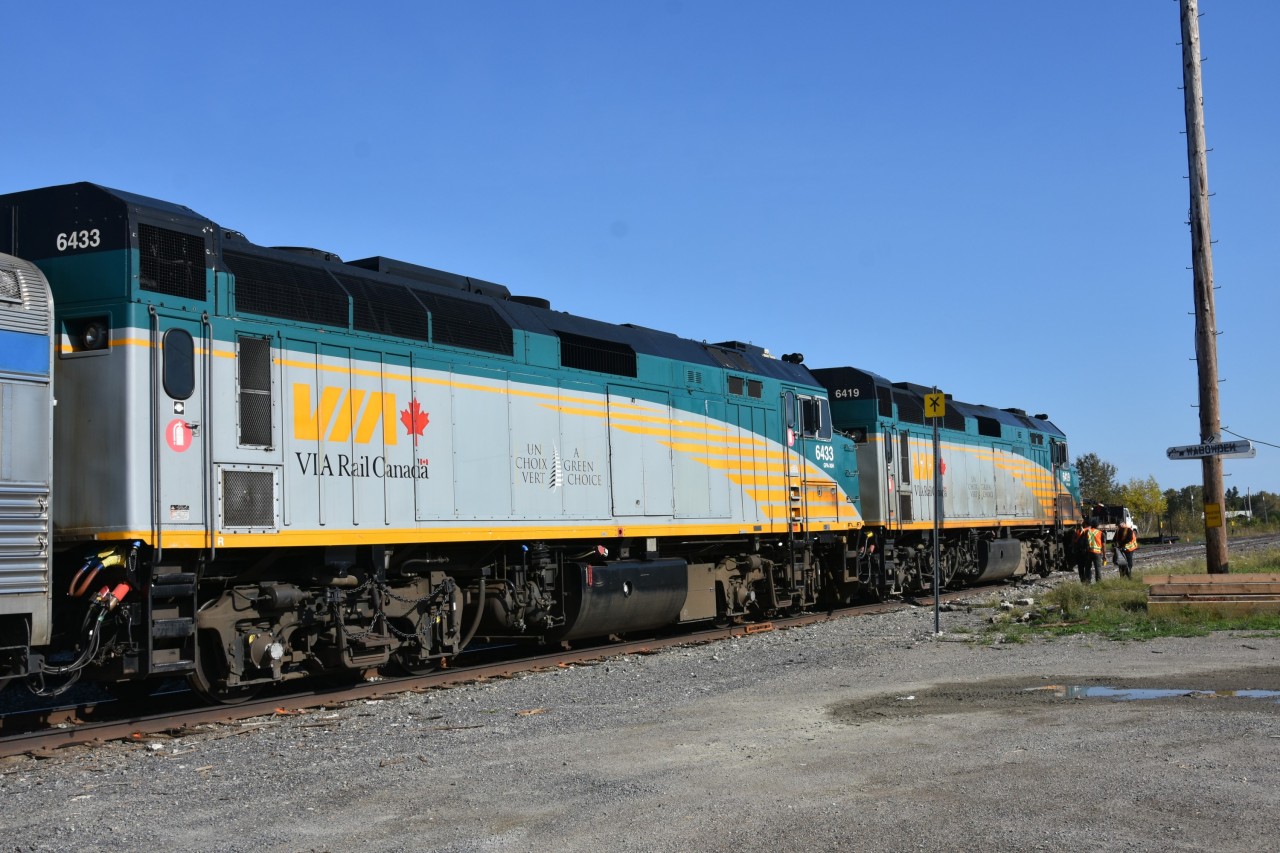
{"type": "Point", "coordinates": [1074, 598]}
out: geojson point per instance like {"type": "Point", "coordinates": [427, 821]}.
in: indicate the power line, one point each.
{"type": "Point", "coordinates": [1254, 440]}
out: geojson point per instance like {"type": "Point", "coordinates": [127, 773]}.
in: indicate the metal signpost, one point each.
{"type": "Point", "coordinates": [935, 408]}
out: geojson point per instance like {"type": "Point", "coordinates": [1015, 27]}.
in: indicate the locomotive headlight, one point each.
{"type": "Point", "coordinates": [95, 335]}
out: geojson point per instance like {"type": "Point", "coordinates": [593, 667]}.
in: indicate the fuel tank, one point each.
{"type": "Point", "coordinates": [1000, 559]}
{"type": "Point", "coordinates": [623, 596]}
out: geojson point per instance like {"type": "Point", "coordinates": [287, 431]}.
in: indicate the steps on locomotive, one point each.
{"type": "Point", "coordinates": [171, 620]}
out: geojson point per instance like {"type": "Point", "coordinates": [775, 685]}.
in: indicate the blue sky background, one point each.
{"type": "Point", "coordinates": [986, 196]}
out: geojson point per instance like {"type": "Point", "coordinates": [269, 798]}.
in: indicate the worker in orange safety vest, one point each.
{"type": "Point", "coordinates": [1125, 543]}
{"type": "Point", "coordinates": [1095, 546]}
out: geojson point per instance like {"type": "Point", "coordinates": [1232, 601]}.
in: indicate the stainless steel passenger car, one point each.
{"type": "Point", "coordinates": [26, 461]}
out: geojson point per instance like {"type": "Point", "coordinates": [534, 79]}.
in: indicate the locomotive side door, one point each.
{"type": "Point", "coordinates": [897, 462]}
{"type": "Point", "coordinates": [179, 441]}
{"type": "Point", "coordinates": [640, 465]}
{"type": "Point", "coordinates": [1040, 455]}
{"type": "Point", "coordinates": [753, 476]}
{"type": "Point", "coordinates": [1004, 497]}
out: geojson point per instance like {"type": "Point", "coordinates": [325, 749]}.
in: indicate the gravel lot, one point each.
{"type": "Point", "coordinates": [865, 733]}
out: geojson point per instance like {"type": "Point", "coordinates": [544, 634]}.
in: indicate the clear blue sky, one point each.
{"type": "Point", "coordinates": [986, 196]}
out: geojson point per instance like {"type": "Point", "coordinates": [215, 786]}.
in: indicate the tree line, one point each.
{"type": "Point", "coordinates": [1171, 510]}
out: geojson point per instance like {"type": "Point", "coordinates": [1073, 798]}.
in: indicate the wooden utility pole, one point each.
{"type": "Point", "coordinates": [1202, 262]}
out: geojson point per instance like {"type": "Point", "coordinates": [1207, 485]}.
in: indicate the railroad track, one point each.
{"type": "Point", "coordinates": [1158, 554]}
{"type": "Point", "coordinates": [43, 731]}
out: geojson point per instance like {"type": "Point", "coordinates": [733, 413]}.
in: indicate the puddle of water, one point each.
{"type": "Point", "coordinates": [1132, 694]}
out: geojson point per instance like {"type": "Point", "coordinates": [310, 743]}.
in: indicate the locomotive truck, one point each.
{"type": "Point", "coordinates": [265, 463]}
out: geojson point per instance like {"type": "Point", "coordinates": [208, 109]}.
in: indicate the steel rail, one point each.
{"type": "Point", "coordinates": [42, 731]}
{"type": "Point", "coordinates": [51, 730]}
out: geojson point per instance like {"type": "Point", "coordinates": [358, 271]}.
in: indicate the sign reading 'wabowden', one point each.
{"type": "Point", "coordinates": [1242, 449]}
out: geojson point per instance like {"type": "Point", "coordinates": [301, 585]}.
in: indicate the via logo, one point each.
{"type": "Point", "coordinates": [340, 412]}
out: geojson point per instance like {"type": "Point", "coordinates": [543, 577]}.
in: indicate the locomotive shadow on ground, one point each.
{"type": "Point", "coordinates": [1217, 691]}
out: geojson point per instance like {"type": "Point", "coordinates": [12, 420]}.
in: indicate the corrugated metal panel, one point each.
{"type": "Point", "coordinates": [24, 538]}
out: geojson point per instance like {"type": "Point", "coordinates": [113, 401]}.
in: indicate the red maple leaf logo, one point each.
{"type": "Point", "coordinates": [414, 419]}
{"type": "Point", "coordinates": [942, 466]}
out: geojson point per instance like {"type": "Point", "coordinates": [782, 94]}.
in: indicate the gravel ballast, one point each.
{"type": "Point", "coordinates": [865, 733]}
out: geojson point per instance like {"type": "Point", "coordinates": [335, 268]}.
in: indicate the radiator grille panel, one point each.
{"type": "Point", "coordinates": [248, 499]}
{"type": "Point", "coordinates": [312, 294]}
{"type": "Point", "coordinates": [288, 291]}
{"type": "Point", "coordinates": [910, 407]}
{"type": "Point", "coordinates": [172, 262]}
{"type": "Point", "coordinates": [597, 355]}
{"type": "Point", "coordinates": [386, 309]}
{"type": "Point", "coordinates": [468, 324]}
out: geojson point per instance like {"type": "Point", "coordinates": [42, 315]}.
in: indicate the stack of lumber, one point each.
{"type": "Point", "coordinates": [1226, 594]}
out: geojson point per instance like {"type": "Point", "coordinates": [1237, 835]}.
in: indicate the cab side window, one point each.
{"type": "Point", "coordinates": [816, 417]}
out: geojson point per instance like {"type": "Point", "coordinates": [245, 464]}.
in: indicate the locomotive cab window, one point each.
{"type": "Point", "coordinates": [179, 373]}
{"type": "Point", "coordinates": [1059, 453]}
{"type": "Point", "coordinates": [815, 413]}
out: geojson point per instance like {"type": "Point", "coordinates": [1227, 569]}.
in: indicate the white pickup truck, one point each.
{"type": "Point", "coordinates": [1110, 518]}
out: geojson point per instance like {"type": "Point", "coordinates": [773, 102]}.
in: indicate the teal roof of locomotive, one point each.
{"type": "Point", "coordinates": [118, 206]}
{"type": "Point", "coordinates": [867, 382]}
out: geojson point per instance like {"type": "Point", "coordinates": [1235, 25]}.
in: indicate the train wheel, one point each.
{"type": "Point", "coordinates": [210, 676]}
{"type": "Point", "coordinates": [404, 665]}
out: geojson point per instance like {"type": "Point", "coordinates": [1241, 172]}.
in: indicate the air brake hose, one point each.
{"type": "Point", "coordinates": [475, 626]}
{"type": "Point", "coordinates": [108, 558]}
{"type": "Point", "coordinates": [81, 581]}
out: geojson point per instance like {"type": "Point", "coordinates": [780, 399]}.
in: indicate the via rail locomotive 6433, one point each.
{"type": "Point", "coordinates": [266, 463]}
